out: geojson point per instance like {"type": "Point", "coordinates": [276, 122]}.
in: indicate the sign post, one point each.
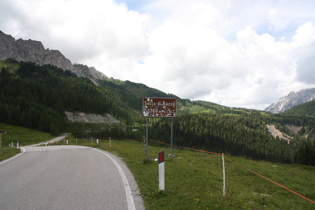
{"type": "Point", "coordinates": [147, 139]}
{"type": "Point", "coordinates": [223, 172]}
{"type": "Point", "coordinates": [161, 171]}
{"type": "Point", "coordinates": [172, 138]}
{"type": "Point", "coordinates": [158, 107]}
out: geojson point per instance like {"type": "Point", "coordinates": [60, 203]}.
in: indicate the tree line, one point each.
{"type": "Point", "coordinates": [237, 135]}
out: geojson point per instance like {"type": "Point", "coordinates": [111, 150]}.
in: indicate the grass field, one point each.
{"type": "Point", "coordinates": [194, 179]}
{"type": "Point", "coordinates": [22, 135]}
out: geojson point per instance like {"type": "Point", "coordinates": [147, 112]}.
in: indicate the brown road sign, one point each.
{"type": "Point", "coordinates": [158, 107]}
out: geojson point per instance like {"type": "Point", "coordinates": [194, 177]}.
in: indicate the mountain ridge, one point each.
{"type": "Point", "coordinates": [291, 100]}
{"type": "Point", "coordinates": [35, 52]}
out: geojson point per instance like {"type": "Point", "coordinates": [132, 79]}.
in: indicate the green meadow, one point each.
{"type": "Point", "coordinates": [21, 135]}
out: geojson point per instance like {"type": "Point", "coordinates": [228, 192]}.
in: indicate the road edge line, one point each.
{"type": "Point", "coordinates": [15, 156]}
{"type": "Point", "coordinates": [130, 200]}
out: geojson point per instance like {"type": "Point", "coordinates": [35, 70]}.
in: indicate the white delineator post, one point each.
{"type": "Point", "coordinates": [110, 142]}
{"type": "Point", "coordinates": [223, 172]}
{"type": "Point", "coordinates": [161, 171]}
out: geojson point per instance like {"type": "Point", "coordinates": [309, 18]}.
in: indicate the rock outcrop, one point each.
{"type": "Point", "coordinates": [34, 51]}
{"type": "Point", "coordinates": [291, 100]}
{"type": "Point", "coordinates": [272, 130]}
{"type": "Point", "coordinates": [91, 118]}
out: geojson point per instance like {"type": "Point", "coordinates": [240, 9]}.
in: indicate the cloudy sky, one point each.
{"type": "Point", "coordinates": [240, 53]}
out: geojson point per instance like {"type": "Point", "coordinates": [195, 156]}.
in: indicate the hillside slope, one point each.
{"type": "Point", "coordinates": [304, 109]}
{"type": "Point", "coordinates": [37, 96]}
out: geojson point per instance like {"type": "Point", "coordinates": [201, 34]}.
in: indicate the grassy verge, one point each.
{"type": "Point", "coordinates": [6, 153]}
{"type": "Point", "coordinates": [22, 135]}
{"type": "Point", "coordinates": [194, 180]}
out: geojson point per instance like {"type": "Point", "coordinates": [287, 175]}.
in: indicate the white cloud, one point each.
{"type": "Point", "coordinates": [279, 19]}
{"type": "Point", "coordinates": [82, 29]}
{"type": "Point", "coordinates": [304, 45]}
{"type": "Point", "coordinates": [236, 53]}
{"type": "Point", "coordinates": [305, 35]}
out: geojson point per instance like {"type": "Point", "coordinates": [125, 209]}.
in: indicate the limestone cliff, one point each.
{"type": "Point", "coordinates": [34, 51]}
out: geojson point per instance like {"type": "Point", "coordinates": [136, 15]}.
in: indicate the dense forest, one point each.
{"type": "Point", "coordinates": [237, 135]}
{"type": "Point", "coordinates": [305, 109]}
{"type": "Point", "coordinates": [37, 96]}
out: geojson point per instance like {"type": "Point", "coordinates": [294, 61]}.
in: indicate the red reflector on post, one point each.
{"type": "Point", "coordinates": [161, 157]}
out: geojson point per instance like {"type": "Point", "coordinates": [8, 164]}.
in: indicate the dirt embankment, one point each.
{"type": "Point", "coordinates": [276, 133]}
{"type": "Point", "coordinates": [91, 118]}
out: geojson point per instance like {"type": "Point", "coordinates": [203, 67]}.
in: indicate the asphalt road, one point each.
{"type": "Point", "coordinates": [67, 177]}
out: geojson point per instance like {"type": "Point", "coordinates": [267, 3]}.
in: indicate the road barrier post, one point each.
{"type": "Point", "coordinates": [161, 171]}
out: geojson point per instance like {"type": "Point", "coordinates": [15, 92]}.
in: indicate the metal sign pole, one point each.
{"type": "Point", "coordinates": [147, 140]}
{"type": "Point", "coordinates": [223, 172]}
{"type": "Point", "coordinates": [172, 137]}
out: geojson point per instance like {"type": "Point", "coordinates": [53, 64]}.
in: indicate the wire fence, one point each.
{"type": "Point", "coordinates": [228, 159]}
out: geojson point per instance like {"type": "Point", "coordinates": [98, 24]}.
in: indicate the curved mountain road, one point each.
{"type": "Point", "coordinates": [67, 177]}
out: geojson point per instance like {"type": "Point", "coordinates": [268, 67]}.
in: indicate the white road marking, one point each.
{"type": "Point", "coordinates": [130, 201]}
{"type": "Point", "coordinates": [7, 160]}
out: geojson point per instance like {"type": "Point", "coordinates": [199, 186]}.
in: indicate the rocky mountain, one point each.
{"type": "Point", "coordinates": [291, 100]}
{"type": "Point", "coordinates": [34, 51]}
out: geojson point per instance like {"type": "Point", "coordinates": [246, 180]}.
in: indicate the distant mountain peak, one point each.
{"type": "Point", "coordinates": [34, 51]}
{"type": "Point", "coordinates": [291, 100]}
